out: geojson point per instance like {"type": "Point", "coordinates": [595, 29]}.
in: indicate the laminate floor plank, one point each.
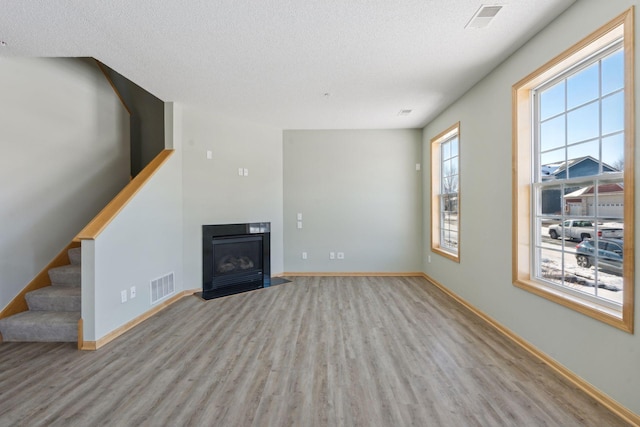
{"type": "Point", "coordinates": [319, 351]}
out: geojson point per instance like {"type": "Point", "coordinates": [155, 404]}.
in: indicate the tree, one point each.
{"type": "Point", "coordinates": [618, 164]}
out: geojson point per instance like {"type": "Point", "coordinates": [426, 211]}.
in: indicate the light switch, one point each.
{"type": "Point", "coordinates": [209, 154]}
{"type": "Point", "coordinates": [240, 171]}
{"type": "Point", "coordinates": [245, 172]}
{"type": "Point", "coordinates": [417, 166]}
{"type": "Point", "coordinates": [299, 217]}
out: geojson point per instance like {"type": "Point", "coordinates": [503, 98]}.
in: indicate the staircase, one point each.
{"type": "Point", "coordinates": [54, 310]}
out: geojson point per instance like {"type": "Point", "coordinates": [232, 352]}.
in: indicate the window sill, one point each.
{"type": "Point", "coordinates": [446, 254]}
{"type": "Point", "coordinates": [588, 308]}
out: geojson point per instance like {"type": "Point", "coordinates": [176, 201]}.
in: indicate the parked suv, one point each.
{"type": "Point", "coordinates": [609, 254]}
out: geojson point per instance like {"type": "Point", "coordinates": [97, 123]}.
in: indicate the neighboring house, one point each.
{"type": "Point", "coordinates": [552, 200]}
{"type": "Point", "coordinates": [610, 201]}
{"type": "Point", "coordinates": [578, 167]}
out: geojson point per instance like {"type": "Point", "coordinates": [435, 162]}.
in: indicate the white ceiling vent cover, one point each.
{"type": "Point", "coordinates": [162, 287]}
{"type": "Point", "coordinates": [483, 16]}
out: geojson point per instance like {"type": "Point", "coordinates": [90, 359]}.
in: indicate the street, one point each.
{"type": "Point", "coordinates": [582, 279]}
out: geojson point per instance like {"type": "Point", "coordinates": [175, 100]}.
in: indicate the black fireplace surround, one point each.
{"type": "Point", "coordinates": [235, 258]}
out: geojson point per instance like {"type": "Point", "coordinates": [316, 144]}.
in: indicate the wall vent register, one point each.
{"type": "Point", "coordinates": [162, 287]}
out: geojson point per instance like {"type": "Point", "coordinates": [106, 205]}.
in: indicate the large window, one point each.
{"type": "Point", "coordinates": [445, 190]}
{"type": "Point", "coordinates": [573, 177]}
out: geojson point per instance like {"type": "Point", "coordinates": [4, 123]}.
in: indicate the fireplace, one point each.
{"type": "Point", "coordinates": [235, 258]}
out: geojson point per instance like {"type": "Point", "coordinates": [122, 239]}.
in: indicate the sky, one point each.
{"type": "Point", "coordinates": [570, 112]}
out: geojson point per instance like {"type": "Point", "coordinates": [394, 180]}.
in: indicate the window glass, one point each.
{"type": "Point", "coordinates": [589, 150]}
{"type": "Point", "coordinates": [552, 101]}
{"type": "Point", "coordinates": [583, 123]}
{"type": "Point", "coordinates": [550, 200]}
{"type": "Point", "coordinates": [552, 133]}
{"type": "Point", "coordinates": [454, 147]}
{"type": "Point", "coordinates": [583, 86]}
{"type": "Point", "coordinates": [551, 161]}
{"type": "Point", "coordinates": [613, 152]}
{"type": "Point", "coordinates": [613, 73]}
{"type": "Point", "coordinates": [446, 150]}
{"type": "Point", "coordinates": [613, 113]}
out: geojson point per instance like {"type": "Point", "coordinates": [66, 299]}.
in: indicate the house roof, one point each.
{"type": "Point", "coordinates": [295, 65]}
{"type": "Point", "coordinates": [559, 167]}
{"type": "Point", "coordinates": [602, 189]}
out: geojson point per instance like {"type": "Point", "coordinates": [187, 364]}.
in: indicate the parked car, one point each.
{"type": "Point", "coordinates": [609, 254]}
{"type": "Point", "coordinates": [583, 229]}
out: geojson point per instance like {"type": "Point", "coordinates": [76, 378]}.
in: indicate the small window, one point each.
{"type": "Point", "coordinates": [445, 193]}
{"type": "Point", "coordinates": [573, 177]}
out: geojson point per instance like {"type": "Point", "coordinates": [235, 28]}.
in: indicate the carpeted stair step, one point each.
{"type": "Point", "coordinates": [68, 275]}
{"type": "Point", "coordinates": [74, 255]}
{"type": "Point", "coordinates": [49, 326]}
{"type": "Point", "coordinates": [54, 298]}
{"type": "Point", "coordinates": [54, 310]}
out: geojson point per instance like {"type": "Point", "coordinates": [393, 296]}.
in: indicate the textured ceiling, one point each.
{"type": "Point", "coordinates": [273, 61]}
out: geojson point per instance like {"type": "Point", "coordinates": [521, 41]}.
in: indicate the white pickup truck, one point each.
{"type": "Point", "coordinates": [580, 229]}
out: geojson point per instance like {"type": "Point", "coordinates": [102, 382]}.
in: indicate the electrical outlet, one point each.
{"type": "Point", "coordinates": [304, 255]}
{"type": "Point", "coordinates": [299, 225]}
{"type": "Point", "coordinates": [123, 296]}
{"type": "Point", "coordinates": [340, 255]}
{"type": "Point", "coordinates": [332, 255]}
{"type": "Point", "coordinates": [132, 292]}
{"type": "Point", "coordinates": [240, 171]}
{"type": "Point", "coordinates": [245, 172]}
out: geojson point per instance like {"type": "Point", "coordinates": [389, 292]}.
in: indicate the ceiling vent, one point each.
{"type": "Point", "coordinates": [404, 112]}
{"type": "Point", "coordinates": [483, 16]}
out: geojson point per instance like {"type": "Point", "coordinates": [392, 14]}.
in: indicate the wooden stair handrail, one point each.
{"type": "Point", "coordinates": [109, 212]}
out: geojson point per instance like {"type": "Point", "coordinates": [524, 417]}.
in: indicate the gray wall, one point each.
{"type": "Point", "coordinates": [604, 356]}
{"type": "Point", "coordinates": [65, 154]}
{"type": "Point", "coordinates": [214, 193]}
{"type": "Point", "coordinates": [147, 121]}
{"type": "Point", "coordinates": [142, 243]}
{"type": "Point", "coordinates": [359, 193]}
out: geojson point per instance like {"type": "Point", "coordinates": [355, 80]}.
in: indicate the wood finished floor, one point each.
{"type": "Point", "coordinates": [320, 351]}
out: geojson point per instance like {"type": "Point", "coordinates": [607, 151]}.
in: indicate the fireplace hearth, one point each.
{"type": "Point", "coordinates": [235, 258]}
